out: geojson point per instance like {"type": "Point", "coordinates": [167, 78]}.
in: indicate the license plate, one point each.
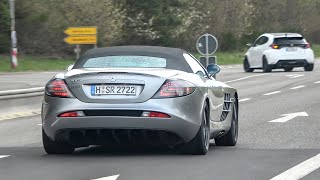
{"type": "Point", "coordinates": [113, 90]}
{"type": "Point", "coordinates": [291, 49]}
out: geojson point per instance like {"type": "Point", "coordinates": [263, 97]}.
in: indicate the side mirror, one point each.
{"type": "Point", "coordinates": [213, 69]}
{"type": "Point", "coordinates": [70, 67]}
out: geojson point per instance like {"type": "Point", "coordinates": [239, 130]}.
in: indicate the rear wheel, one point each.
{"type": "Point", "coordinates": [288, 69]}
{"type": "Point", "coordinates": [52, 147]}
{"type": "Point", "coordinates": [309, 67]}
{"type": "Point", "coordinates": [265, 66]}
{"type": "Point", "coordinates": [231, 138]}
{"type": "Point", "coordinates": [246, 65]}
{"type": "Point", "coordinates": [200, 143]}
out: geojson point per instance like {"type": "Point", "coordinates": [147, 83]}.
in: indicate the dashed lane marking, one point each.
{"type": "Point", "coordinates": [317, 82]}
{"type": "Point", "coordinates": [4, 156]}
{"type": "Point", "coordinates": [292, 76]}
{"type": "Point", "coordinates": [301, 170]}
{"type": "Point", "coordinates": [108, 178]}
{"type": "Point", "coordinates": [271, 93]}
{"type": "Point", "coordinates": [19, 115]}
{"type": "Point", "coordinates": [39, 124]}
{"type": "Point", "coordinates": [246, 78]}
{"type": "Point", "coordinates": [245, 99]}
{"type": "Point", "coordinates": [298, 87]}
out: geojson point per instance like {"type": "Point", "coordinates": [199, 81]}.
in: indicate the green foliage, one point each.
{"type": "Point", "coordinates": [316, 50]}
{"type": "Point", "coordinates": [151, 22]}
{"type": "Point", "coordinates": [4, 27]}
{"type": "Point", "coordinates": [177, 23]}
{"type": "Point", "coordinates": [229, 42]}
{"type": "Point", "coordinates": [227, 58]}
{"type": "Point", "coordinates": [32, 63]}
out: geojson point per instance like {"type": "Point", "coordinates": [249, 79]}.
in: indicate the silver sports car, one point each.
{"type": "Point", "coordinates": [138, 95]}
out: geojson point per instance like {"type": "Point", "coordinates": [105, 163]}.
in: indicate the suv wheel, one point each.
{"type": "Point", "coordinates": [265, 66]}
{"type": "Point", "coordinates": [309, 67]}
{"type": "Point", "coordinates": [246, 65]}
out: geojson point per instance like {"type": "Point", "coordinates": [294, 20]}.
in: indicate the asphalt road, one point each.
{"type": "Point", "coordinates": [264, 150]}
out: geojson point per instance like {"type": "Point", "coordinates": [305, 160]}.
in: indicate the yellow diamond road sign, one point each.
{"type": "Point", "coordinates": [81, 39]}
{"type": "Point", "coordinates": [72, 31]}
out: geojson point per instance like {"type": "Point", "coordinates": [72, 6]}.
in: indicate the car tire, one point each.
{"type": "Point", "coordinates": [199, 145]}
{"type": "Point", "coordinates": [246, 65]}
{"type": "Point", "coordinates": [288, 69]}
{"type": "Point", "coordinates": [265, 66]}
{"type": "Point", "coordinates": [309, 67]}
{"type": "Point", "coordinates": [231, 138]}
{"type": "Point", "coordinates": [52, 147]}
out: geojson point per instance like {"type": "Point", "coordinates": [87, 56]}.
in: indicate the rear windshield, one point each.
{"type": "Point", "coordinates": [126, 62]}
{"type": "Point", "coordinates": [290, 40]}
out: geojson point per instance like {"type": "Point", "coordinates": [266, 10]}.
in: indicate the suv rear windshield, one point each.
{"type": "Point", "coordinates": [125, 62]}
{"type": "Point", "coordinates": [290, 40]}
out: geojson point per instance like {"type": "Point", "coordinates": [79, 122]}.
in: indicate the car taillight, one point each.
{"type": "Point", "coordinates": [58, 88]}
{"type": "Point", "coordinates": [274, 46]}
{"type": "Point", "coordinates": [175, 88]}
{"type": "Point", "coordinates": [308, 45]}
{"type": "Point", "coordinates": [155, 114]}
{"type": "Point", "coordinates": [72, 114]}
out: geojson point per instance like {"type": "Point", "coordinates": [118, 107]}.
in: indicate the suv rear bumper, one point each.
{"type": "Point", "coordinates": [290, 63]}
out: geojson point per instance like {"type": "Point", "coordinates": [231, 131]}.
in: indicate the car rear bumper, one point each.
{"type": "Point", "coordinates": [279, 59]}
{"type": "Point", "coordinates": [184, 123]}
{"type": "Point", "coordinates": [291, 63]}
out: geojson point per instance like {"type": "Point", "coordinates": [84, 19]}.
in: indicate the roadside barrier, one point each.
{"type": "Point", "coordinates": [21, 93]}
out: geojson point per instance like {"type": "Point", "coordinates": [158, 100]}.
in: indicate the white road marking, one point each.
{"type": "Point", "coordinates": [4, 156]}
{"type": "Point", "coordinates": [288, 117]}
{"type": "Point", "coordinates": [271, 93]}
{"type": "Point", "coordinates": [292, 76]}
{"type": "Point", "coordinates": [39, 124]}
{"type": "Point", "coordinates": [298, 87]}
{"type": "Point", "coordinates": [301, 170]}
{"type": "Point", "coordinates": [318, 82]}
{"type": "Point", "coordinates": [108, 178]}
{"type": "Point", "coordinates": [245, 99]}
{"type": "Point", "coordinates": [246, 78]}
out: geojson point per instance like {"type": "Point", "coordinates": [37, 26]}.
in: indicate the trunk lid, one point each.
{"type": "Point", "coordinates": [117, 86]}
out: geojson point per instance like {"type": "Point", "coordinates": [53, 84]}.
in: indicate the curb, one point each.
{"type": "Point", "coordinates": [21, 93]}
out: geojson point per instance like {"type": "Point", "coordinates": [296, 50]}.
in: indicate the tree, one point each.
{"type": "Point", "coordinates": [4, 27]}
{"type": "Point", "coordinates": [151, 22]}
{"type": "Point", "coordinates": [40, 24]}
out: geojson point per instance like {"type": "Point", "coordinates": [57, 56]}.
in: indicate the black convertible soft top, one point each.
{"type": "Point", "coordinates": [174, 56]}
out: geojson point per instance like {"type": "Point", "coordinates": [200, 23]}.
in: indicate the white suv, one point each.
{"type": "Point", "coordinates": [279, 51]}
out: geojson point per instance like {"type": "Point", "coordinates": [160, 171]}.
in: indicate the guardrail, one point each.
{"type": "Point", "coordinates": [21, 93]}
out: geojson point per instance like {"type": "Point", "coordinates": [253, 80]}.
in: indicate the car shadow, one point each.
{"type": "Point", "coordinates": [274, 71]}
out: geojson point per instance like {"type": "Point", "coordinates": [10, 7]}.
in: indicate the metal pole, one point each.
{"type": "Point", "coordinates": [78, 51]}
{"type": "Point", "coordinates": [14, 50]}
{"type": "Point", "coordinates": [207, 49]}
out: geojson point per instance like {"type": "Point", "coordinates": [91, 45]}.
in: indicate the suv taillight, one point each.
{"type": "Point", "coordinates": [175, 88]}
{"type": "Point", "coordinates": [58, 88]}
{"type": "Point", "coordinates": [274, 46]}
{"type": "Point", "coordinates": [308, 45]}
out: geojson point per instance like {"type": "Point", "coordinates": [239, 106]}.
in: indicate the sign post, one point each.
{"type": "Point", "coordinates": [207, 45]}
{"type": "Point", "coordinates": [81, 35]}
{"type": "Point", "coordinates": [14, 50]}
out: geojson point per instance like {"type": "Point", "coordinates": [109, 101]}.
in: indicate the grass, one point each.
{"type": "Point", "coordinates": [316, 50]}
{"type": "Point", "coordinates": [226, 58]}
{"type": "Point", "coordinates": [33, 63]}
